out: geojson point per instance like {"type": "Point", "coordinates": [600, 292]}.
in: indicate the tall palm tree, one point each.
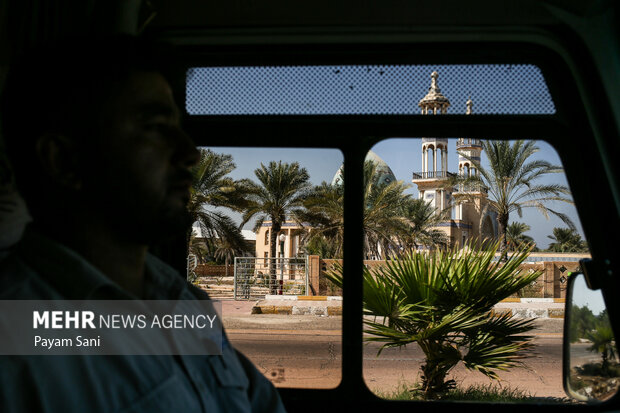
{"type": "Point", "coordinates": [511, 182]}
{"type": "Point", "coordinates": [383, 221]}
{"type": "Point", "coordinates": [280, 192]}
{"type": "Point", "coordinates": [515, 235]}
{"type": "Point", "coordinates": [566, 240]}
{"type": "Point", "coordinates": [324, 212]}
{"type": "Point", "coordinates": [212, 188]}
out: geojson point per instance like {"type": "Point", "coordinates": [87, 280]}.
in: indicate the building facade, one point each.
{"type": "Point", "coordinates": [466, 208]}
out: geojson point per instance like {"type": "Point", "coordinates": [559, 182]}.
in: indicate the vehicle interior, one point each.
{"type": "Point", "coordinates": [574, 44]}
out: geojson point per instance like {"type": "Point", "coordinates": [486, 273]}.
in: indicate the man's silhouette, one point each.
{"type": "Point", "coordinates": [93, 133]}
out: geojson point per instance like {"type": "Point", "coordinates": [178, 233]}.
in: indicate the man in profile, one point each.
{"type": "Point", "coordinates": [93, 133]}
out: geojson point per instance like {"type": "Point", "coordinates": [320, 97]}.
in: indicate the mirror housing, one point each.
{"type": "Point", "coordinates": [591, 368]}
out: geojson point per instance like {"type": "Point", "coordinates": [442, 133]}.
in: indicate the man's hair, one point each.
{"type": "Point", "coordinates": [61, 89]}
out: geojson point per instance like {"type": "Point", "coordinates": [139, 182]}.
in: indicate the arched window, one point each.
{"type": "Point", "coordinates": [267, 237]}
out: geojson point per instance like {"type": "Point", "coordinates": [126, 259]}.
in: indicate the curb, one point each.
{"type": "Point", "coordinates": [273, 297]}
{"type": "Point", "coordinates": [297, 310]}
{"type": "Point", "coordinates": [318, 305]}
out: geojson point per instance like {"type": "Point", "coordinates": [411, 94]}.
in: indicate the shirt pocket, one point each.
{"type": "Point", "coordinates": [170, 396]}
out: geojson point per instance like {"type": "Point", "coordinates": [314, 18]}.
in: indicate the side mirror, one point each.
{"type": "Point", "coordinates": [591, 368]}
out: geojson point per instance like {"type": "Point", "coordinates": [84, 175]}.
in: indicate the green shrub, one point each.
{"type": "Point", "coordinates": [443, 301]}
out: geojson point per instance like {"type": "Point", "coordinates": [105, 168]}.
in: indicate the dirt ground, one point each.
{"type": "Point", "coordinates": [306, 352]}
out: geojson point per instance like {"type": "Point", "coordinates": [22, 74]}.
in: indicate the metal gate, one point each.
{"type": "Point", "coordinates": [257, 277]}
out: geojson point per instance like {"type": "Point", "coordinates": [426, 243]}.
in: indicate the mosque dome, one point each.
{"type": "Point", "coordinates": [385, 174]}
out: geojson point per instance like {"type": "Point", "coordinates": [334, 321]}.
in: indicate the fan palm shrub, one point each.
{"type": "Point", "coordinates": [443, 301]}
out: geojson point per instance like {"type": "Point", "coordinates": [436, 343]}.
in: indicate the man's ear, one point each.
{"type": "Point", "coordinates": [58, 156]}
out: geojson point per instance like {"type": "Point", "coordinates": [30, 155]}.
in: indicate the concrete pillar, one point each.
{"type": "Point", "coordinates": [445, 160]}
{"type": "Point", "coordinates": [441, 159]}
{"type": "Point", "coordinates": [314, 267]}
{"type": "Point", "coordinates": [548, 279]}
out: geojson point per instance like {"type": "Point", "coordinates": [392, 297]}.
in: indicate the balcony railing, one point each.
{"type": "Point", "coordinates": [469, 143]}
{"type": "Point", "coordinates": [433, 175]}
{"type": "Point", "coordinates": [472, 188]}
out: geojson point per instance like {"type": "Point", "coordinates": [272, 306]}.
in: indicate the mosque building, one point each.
{"type": "Point", "coordinates": [472, 218]}
{"type": "Point", "coordinates": [468, 215]}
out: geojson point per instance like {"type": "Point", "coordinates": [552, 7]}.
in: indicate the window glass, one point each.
{"type": "Point", "coordinates": [261, 239]}
{"type": "Point", "coordinates": [367, 90]}
{"type": "Point", "coordinates": [438, 299]}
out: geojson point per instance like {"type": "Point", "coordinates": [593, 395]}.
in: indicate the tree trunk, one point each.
{"type": "Point", "coordinates": [434, 372]}
{"type": "Point", "coordinates": [273, 243]}
{"type": "Point", "coordinates": [502, 222]}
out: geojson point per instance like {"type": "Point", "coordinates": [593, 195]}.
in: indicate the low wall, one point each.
{"type": "Point", "coordinates": [552, 282]}
{"type": "Point", "coordinates": [210, 270]}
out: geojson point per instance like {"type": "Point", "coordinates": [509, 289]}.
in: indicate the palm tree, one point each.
{"type": "Point", "coordinates": [198, 247]}
{"type": "Point", "coordinates": [515, 235]}
{"type": "Point", "coordinates": [511, 182]}
{"type": "Point", "coordinates": [392, 219]}
{"type": "Point", "coordinates": [566, 240]}
{"type": "Point", "coordinates": [443, 301]}
{"type": "Point", "coordinates": [422, 220]}
{"type": "Point", "coordinates": [212, 187]}
{"type": "Point", "coordinates": [603, 342]}
{"type": "Point", "coordinates": [384, 223]}
{"type": "Point", "coordinates": [279, 194]}
{"type": "Point", "coordinates": [227, 251]}
{"type": "Point", "coordinates": [323, 213]}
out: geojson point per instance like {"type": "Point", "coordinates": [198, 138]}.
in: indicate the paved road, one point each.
{"type": "Point", "coordinates": [305, 351]}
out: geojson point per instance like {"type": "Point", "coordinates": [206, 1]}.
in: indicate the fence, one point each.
{"type": "Point", "coordinates": [256, 277]}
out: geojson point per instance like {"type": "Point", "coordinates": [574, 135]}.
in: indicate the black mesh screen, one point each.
{"type": "Point", "coordinates": [364, 90]}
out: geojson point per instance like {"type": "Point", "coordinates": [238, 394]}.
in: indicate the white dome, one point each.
{"type": "Point", "coordinates": [383, 170]}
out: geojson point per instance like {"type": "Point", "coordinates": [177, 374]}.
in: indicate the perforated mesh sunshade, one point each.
{"type": "Point", "coordinates": [365, 90]}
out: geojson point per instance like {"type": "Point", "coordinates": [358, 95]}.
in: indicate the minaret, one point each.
{"type": "Point", "coordinates": [434, 152]}
{"type": "Point", "coordinates": [471, 199]}
{"type": "Point", "coordinates": [469, 147]}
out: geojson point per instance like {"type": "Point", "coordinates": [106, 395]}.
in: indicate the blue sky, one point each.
{"type": "Point", "coordinates": [403, 155]}
{"type": "Point", "coordinates": [364, 89]}
{"type": "Point", "coordinates": [583, 296]}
